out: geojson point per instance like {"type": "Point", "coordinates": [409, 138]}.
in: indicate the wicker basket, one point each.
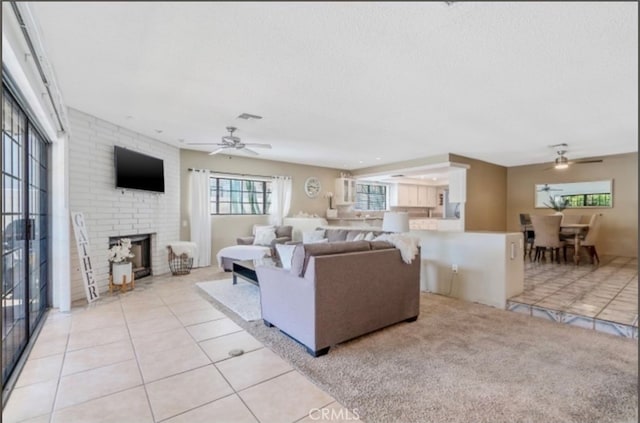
{"type": "Point", "coordinates": [179, 265]}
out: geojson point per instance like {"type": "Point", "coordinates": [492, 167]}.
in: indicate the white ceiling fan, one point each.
{"type": "Point", "coordinates": [547, 188]}
{"type": "Point", "coordinates": [232, 142]}
{"type": "Point", "coordinates": [562, 162]}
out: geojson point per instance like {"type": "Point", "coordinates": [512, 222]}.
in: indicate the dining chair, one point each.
{"type": "Point", "coordinates": [547, 235]}
{"type": "Point", "coordinates": [529, 235]}
{"type": "Point", "coordinates": [589, 240]}
{"type": "Point", "coordinates": [569, 219]}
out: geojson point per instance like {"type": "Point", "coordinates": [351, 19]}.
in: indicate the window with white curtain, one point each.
{"type": "Point", "coordinates": [239, 196]}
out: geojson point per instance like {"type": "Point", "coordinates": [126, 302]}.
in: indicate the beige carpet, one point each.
{"type": "Point", "coordinates": [464, 362]}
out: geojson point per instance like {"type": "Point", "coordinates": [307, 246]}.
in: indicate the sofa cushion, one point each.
{"type": "Point", "coordinates": [284, 231]}
{"type": "Point", "coordinates": [380, 245]}
{"type": "Point", "coordinates": [351, 235]}
{"type": "Point", "coordinates": [313, 236]}
{"type": "Point", "coordinates": [302, 252]}
{"type": "Point", "coordinates": [337, 235]}
{"type": "Point", "coordinates": [319, 241]}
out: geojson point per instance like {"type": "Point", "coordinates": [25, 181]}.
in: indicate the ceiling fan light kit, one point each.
{"type": "Point", "coordinates": [561, 162]}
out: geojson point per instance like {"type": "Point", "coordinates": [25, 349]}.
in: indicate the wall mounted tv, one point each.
{"type": "Point", "coordinates": [138, 171]}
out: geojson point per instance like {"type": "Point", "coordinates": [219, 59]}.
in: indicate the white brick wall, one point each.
{"type": "Point", "coordinates": [113, 212]}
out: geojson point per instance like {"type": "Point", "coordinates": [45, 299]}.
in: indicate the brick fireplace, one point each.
{"type": "Point", "coordinates": [141, 250]}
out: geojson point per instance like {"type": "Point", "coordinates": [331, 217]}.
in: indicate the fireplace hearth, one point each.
{"type": "Point", "coordinates": [141, 250]}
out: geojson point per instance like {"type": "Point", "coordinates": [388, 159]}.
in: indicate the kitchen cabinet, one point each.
{"type": "Point", "coordinates": [427, 196]}
{"type": "Point", "coordinates": [412, 195]}
{"type": "Point", "coordinates": [345, 191]}
{"type": "Point", "coordinates": [458, 186]}
{"type": "Point", "coordinates": [405, 195]}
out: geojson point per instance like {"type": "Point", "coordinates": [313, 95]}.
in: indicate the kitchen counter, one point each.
{"type": "Point", "coordinates": [354, 222]}
{"type": "Point", "coordinates": [353, 227]}
{"type": "Point", "coordinates": [436, 224]}
{"type": "Point", "coordinates": [359, 219]}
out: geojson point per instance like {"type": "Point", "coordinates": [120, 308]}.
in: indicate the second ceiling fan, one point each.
{"type": "Point", "coordinates": [562, 162]}
{"type": "Point", "coordinates": [232, 142]}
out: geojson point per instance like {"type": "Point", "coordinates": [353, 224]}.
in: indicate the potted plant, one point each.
{"type": "Point", "coordinates": [119, 256]}
{"type": "Point", "coordinates": [557, 203]}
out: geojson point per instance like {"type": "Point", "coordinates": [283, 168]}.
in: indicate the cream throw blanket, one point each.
{"type": "Point", "coordinates": [184, 247]}
{"type": "Point", "coordinates": [407, 244]}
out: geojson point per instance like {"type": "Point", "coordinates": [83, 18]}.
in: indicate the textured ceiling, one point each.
{"type": "Point", "coordinates": [351, 85]}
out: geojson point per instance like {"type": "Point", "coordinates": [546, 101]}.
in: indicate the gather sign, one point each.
{"type": "Point", "coordinates": [84, 256]}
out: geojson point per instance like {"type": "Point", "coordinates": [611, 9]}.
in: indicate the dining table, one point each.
{"type": "Point", "coordinates": [575, 229]}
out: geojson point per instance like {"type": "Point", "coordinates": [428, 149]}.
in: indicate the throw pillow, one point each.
{"type": "Point", "coordinates": [256, 227]}
{"type": "Point", "coordinates": [309, 237]}
{"type": "Point", "coordinates": [264, 236]}
{"type": "Point", "coordinates": [320, 241]}
{"type": "Point", "coordinates": [285, 252]}
{"type": "Point", "coordinates": [369, 236]}
{"type": "Point", "coordinates": [359, 237]}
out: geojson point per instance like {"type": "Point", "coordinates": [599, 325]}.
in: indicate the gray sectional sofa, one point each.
{"type": "Point", "coordinates": [339, 290]}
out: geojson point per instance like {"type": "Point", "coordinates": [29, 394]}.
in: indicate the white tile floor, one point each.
{"type": "Point", "coordinates": [158, 354]}
{"type": "Point", "coordinates": [603, 296]}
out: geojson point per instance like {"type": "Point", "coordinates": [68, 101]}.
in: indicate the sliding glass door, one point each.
{"type": "Point", "coordinates": [24, 231]}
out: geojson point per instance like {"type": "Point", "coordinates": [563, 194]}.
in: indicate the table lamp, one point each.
{"type": "Point", "coordinates": [395, 222]}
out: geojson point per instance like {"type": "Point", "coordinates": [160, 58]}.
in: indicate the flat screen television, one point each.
{"type": "Point", "coordinates": [138, 171]}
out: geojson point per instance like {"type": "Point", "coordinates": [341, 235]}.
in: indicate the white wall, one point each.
{"type": "Point", "coordinates": [489, 271]}
{"type": "Point", "coordinates": [111, 212]}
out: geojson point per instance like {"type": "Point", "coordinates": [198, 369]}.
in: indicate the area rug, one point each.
{"type": "Point", "coordinates": [465, 362]}
{"type": "Point", "coordinates": [242, 298]}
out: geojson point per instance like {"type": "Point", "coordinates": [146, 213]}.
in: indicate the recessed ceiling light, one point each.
{"type": "Point", "coordinates": [360, 161]}
{"type": "Point", "coordinates": [249, 116]}
{"type": "Point", "coordinates": [377, 158]}
{"type": "Point", "coordinates": [434, 179]}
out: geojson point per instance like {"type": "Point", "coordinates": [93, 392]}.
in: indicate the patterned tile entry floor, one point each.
{"type": "Point", "coordinates": [602, 297]}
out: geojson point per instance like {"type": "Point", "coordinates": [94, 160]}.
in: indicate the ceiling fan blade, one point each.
{"type": "Point", "coordinates": [588, 161]}
{"type": "Point", "coordinates": [205, 143]}
{"type": "Point", "coordinates": [256, 145]}
{"type": "Point", "coordinates": [248, 150]}
{"type": "Point", "coordinates": [217, 150]}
